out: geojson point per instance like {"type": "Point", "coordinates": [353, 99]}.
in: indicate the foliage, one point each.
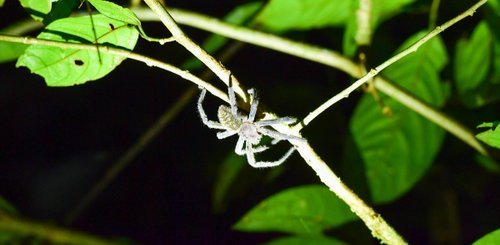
{"type": "Point", "coordinates": [395, 150]}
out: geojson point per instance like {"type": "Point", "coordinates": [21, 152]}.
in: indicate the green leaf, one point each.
{"type": "Point", "coordinates": [115, 11]}
{"type": "Point", "coordinates": [66, 67]}
{"type": "Point", "coordinates": [49, 10]}
{"type": "Point", "coordinates": [229, 171]}
{"type": "Point", "coordinates": [381, 10]}
{"type": "Point", "coordinates": [310, 240]}
{"type": "Point", "coordinates": [300, 210]}
{"type": "Point", "coordinates": [11, 51]}
{"type": "Point", "coordinates": [2, 2]}
{"type": "Point", "coordinates": [282, 15]}
{"type": "Point", "coordinates": [492, 135]}
{"type": "Point", "coordinates": [492, 238]}
{"type": "Point", "coordinates": [473, 58]}
{"type": "Point", "coordinates": [398, 149]}
{"type": "Point", "coordinates": [38, 9]}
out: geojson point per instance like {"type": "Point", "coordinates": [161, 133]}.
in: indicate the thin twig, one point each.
{"type": "Point", "coordinates": [196, 50]}
{"type": "Point", "coordinates": [120, 52]}
{"type": "Point", "coordinates": [373, 72]}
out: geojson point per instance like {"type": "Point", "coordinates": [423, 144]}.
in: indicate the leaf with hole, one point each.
{"type": "Point", "coordinates": [300, 210]}
{"type": "Point", "coordinates": [67, 67]}
{"type": "Point", "coordinates": [398, 149]}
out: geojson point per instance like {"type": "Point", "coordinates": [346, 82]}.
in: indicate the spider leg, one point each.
{"type": "Point", "coordinates": [279, 136]}
{"type": "Point", "coordinates": [239, 147]}
{"type": "Point", "coordinates": [203, 115]}
{"type": "Point", "coordinates": [280, 120]}
{"type": "Point", "coordinates": [255, 104]}
{"type": "Point", "coordinates": [225, 134]}
{"type": "Point", "coordinates": [253, 163]}
{"type": "Point", "coordinates": [232, 97]}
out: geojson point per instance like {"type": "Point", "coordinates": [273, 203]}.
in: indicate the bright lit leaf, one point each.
{"type": "Point", "coordinates": [115, 11]}
{"type": "Point", "coordinates": [300, 210]}
{"type": "Point", "coordinates": [492, 238]}
{"type": "Point", "coordinates": [281, 15]}
{"type": "Point", "coordinates": [492, 135]}
{"type": "Point", "coordinates": [299, 240]}
{"type": "Point", "coordinates": [49, 10]}
{"type": "Point", "coordinates": [398, 149]}
{"type": "Point", "coordinates": [66, 67]}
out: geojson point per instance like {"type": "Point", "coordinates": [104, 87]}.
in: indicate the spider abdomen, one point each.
{"type": "Point", "coordinates": [227, 119]}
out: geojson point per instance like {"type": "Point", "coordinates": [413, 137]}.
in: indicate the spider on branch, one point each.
{"type": "Point", "coordinates": [249, 130]}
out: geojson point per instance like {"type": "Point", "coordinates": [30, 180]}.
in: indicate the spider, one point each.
{"type": "Point", "coordinates": [250, 132]}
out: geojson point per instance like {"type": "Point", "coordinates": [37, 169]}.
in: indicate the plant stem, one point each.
{"type": "Point", "coordinates": [326, 57]}
{"type": "Point", "coordinates": [192, 47]}
{"type": "Point", "coordinates": [48, 233]}
{"type": "Point", "coordinates": [380, 229]}
{"type": "Point", "coordinates": [121, 52]}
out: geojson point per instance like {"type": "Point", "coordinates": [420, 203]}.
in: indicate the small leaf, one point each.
{"type": "Point", "coordinates": [66, 67]}
{"type": "Point", "coordinates": [300, 210]}
{"type": "Point", "coordinates": [398, 149]}
{"type": "Point", "coordinates": [473, 58]}
{"type": "Point", "coordinates": [282, 15]}
{"type": "Point", "coordinates": [115, 11]}
{"type": "Point", "coordinates": [310, 240]}
{"type": "Point", "coordinates": [491, 136]}
{"type": "Point", "coordinates": [492, 238]}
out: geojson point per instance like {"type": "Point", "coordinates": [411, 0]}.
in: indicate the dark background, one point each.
{"type": "Point", "coordinates": [56, 142]}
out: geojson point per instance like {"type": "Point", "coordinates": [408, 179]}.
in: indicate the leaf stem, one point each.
{"type": "Point", "coordinates": [121, 52]}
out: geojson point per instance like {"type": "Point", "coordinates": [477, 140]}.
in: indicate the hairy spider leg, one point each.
{"type": "Point", "coordinates": [225, 134]}
{"type": "Point", "coordinates": [203, 115]}
{"type": "Point", "coordinates": [232, 97]}
{"type": "Point", "coordinates": [280, 120]}
{"type": "Point", "coordinates": [279, 136]}
{"type": "Point", "coordinates": [255, 164]}
{"type": "Point", "coordinates": [253, 107]}
{"type": "Point", "coordinates": [240, 145]}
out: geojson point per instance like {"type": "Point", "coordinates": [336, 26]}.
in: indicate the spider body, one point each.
{"type": "Point", "coordinates": [249, 131]}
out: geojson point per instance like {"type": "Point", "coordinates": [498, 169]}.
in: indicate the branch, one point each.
{"type": "Point", "coordinates": [326, 57]}
{"type": "Point", "coordinates": [192, 47]}
{"type": "Point", "coordinates": [380, 229]}
{"type": "Point", "coordinates": [120, 52]}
